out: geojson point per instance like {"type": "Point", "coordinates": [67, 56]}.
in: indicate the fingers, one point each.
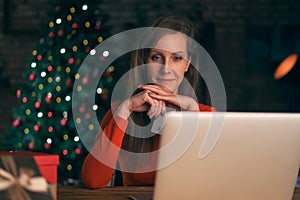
{"type": "Point", "coordinates": [145, 102]}
{"type": "Point", "coordinates": [157, 107]}
{"type": "Point", "coordinates": [159, 89]}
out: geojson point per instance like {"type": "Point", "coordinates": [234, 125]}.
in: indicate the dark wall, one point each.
{"type": "Point", "coordinates": [246, 39]}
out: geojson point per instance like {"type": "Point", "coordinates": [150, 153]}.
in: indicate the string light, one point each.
{"type": "Point", "coordinates": [67, 98]}
{"type": "Point", "coordinates": [51, 24]}
{"type": "Point", "coordinates": [69, 17]}
{"type": "Point", "coordinates": [43, 74]}
{"type": "Point", "coordinates": [40, 115]}
{"type": "Point", "coordinates": [26, 130]}
{"type": "Point", "coordinates": [95, 107]}
{"type": "Point", "coordinates": [93, 52]}
{"type": "Point", "coordinates": [62, 51]}
{"type": "Point", "coordinates": [49, 140]}
{"type": "Point", "coordinates": [84, 7]}
{"type": "Point", "coordinates": [105, 53]}
{"type": "Point", "coordinates": [41, 86]}
{"type": "Point", "coordinates": [76, 139]}
{"type": "Point", "coordinates": [99, 90]}
{"type": "Point", "coordinates": [52, 80]}
{"type": "Point", "coordinates": [33, 65]}
{"type": "Point", "coordinates": [58, 21]}
{"type": "Point", "coordinates": [69, 167]}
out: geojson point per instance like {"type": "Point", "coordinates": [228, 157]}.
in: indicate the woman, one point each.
{"type": "Point", "coordinates": [166, 67]}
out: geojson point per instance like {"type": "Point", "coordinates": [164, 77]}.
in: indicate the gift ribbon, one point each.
{"type": "Point", "coordinates": [16, 184]}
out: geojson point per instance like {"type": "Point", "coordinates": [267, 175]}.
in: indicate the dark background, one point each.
{"type": "Point", "coordinates": [246, 39]}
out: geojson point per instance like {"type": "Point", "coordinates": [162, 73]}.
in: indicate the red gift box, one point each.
{"type": "Point", "coordinates": [47, 164]}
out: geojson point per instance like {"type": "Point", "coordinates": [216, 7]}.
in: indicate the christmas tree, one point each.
{"type": "Point", "coordinates": [43, 122]}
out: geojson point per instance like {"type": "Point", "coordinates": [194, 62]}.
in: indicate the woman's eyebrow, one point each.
{"type": "Point", "coordinates": [161, 51]}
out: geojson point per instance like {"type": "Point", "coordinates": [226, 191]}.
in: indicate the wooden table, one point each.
{"type": "Point", "coordinates": [113, 193]}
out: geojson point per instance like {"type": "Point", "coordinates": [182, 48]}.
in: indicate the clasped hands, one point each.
{"type": "Point", "coordinates": [154, 99]}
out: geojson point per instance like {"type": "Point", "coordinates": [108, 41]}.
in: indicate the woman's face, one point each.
{"type": "Point", "coordinates": [167, 61]}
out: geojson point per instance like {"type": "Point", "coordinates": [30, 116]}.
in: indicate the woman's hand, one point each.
{"type": "Point", "coordinates": [141, 102]}
{"type": "Point", "coordinates": [171, 99]}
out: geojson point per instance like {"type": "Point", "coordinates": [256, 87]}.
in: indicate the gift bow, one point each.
{"type": "Point", "coordinates": [9, 180]}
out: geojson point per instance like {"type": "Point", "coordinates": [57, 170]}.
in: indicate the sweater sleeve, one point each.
{"type": "Point", "coordinates": [94, 173]}
{"type": "Point", "coordinates": [206, 108]}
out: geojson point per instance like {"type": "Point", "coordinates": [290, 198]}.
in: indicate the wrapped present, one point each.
{"type": "Point", "coordinates": [38, 167]}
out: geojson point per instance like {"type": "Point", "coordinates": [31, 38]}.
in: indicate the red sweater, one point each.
{"type": "Point", "coordinates": [95, 174]}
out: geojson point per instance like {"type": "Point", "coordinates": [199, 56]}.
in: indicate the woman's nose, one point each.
{"type": "Point", "coordinates": [166, 66]}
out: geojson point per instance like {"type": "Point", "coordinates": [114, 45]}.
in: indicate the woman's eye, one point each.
{"type": "Point", "coordinates": [157, 58]}
{"type": "Point", "coordinates": [177, 58]}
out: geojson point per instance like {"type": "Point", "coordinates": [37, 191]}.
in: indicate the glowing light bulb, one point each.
{"type": "Point", "coordinates": [93, 52]}
{"type": "Point", "coordinates": [58, 20]}
{"type": "Point", "coordinates": [84, 7]}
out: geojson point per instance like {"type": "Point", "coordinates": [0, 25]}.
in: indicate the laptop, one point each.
{"type": "Point", "coordinates": [228, 155]}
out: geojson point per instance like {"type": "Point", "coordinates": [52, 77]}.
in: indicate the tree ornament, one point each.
{"type": "Point", "coordinates": [47, 145]}
{"type": "Point", "coordinates": [48, 99]}
{"type": "Point", "coordinates": [51, 35]}
{"type": "Point", "coordinates": [16, 122]}
{"type": "Point", "coordinates": [75, 25]}
{"type": "Point", "coordinates": [63, 122]}
{"type": "Point", "coordinates": [32, 77]}
{"type": "Point", "coordinates": [31, 145]}
{"type": "Point", "coordinates": [71, 61]}
{"type": "Point", "coordinates": [50, 129]}
{"type": "Point", "coordinates": [36, 128]}
{"type": "Point", "coordinates": [57, 8]}
{"type": "Point", "coordinates": [78, 150]}
{"type": "Point", "coordinates": [37, 104]}
{"type": "Point", "coordinates": [65, 152]}
{"type": "Point", "coordinates": [69, 83]}
{"type": "Point", "coordinates": [50, 114]}
{"type": "Point", "coordinates": [18, 93]}
{"type": "Point", "coordinates": [39, 57]}
{"type": "Point", "coordinates": [24, 99]}
{"type": "Point", "coordinates": [60, 33]}
{"type": "Point", "coordinates": [50, 68]}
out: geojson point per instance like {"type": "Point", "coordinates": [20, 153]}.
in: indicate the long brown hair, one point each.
{"type": "Point", "coordinates": [139, 122]}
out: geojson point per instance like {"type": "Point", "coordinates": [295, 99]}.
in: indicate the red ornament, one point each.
{"type": "Point", "coordinates": [85, 80]}
{"type": "Point", "coordinates": [31, 145]}
{"type": "Point", "coordinates": [39, 57]}
{"type": "Point", "coordinates": [24, 99]}
{"type": "Point", "coordinates": [18, 92]}
{"type": "Point", "coordinates": [37, 104]}
{"type": "Point", "coordinates": [32, 77]}
{"type": "Point", "coordinates": [50, 114]}
{"type": "Point", "coordinates": [104, 96]}
{"type": "Point", "coordinates": [48, 99]}
{"type": "Point", "coordinates": [97, 27]}
{"type": "Point", "coordinates": [82, 109]}
{"type": "Point", "coordinates": [16, 123]}
{"type": "Point", "coordinates": [78, 150]}
{"type": "Point", "coordinates": [74, 25]}
{"type": "Point", "coordinates": [47, 145]}
{"type": "Point", "coordinates": [71, 61]}
{"type": "Point", "coordinates": [88, 49]}
{"type": "Point", "coordinates": [69, 83]}
{"type": "Point", "coordinates": [102, 58]}
{"type": "Point", "coordinates": [50, 129]}
{"type": "Point", "coordinates": [51, 35]}
{"type": "Point", "coordinates": [57, 8]}
{"type": "Point", "coordinates": [107, 74]}
{"type": "Point", "coordinates": [60, 32]}
{"type": "Point", "coordinates": [63, 122]}
{"type": "Point", "coordinates": [88, 115]}
{"type": "Point", "coordinates": [65, 152]}
{"type": "Point", "coordinates": [50, 68]}
{"type": "Point", "coordinates": [36, 128]}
